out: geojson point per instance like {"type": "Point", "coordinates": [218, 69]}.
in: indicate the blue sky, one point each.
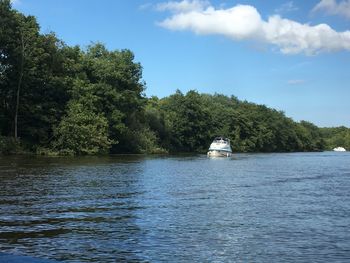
{"type": "Point", "coordinates": [267, 52]}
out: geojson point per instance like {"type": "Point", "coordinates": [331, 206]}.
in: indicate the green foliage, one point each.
{"type": "Point", "coordinates": [336, 137]}
{"type": "Point", "coordinates": [33, 79]}
{"type": "Point", "coordinates": [65, 100]}
{"type": "Point", "coordinates": [82, 132]}
{"type": "Point", "coordinates": [193, 120]}
{"type": "Point", "coordinates": [8, 145]}
{"type": "Point", "coordinates": [188, 121]}
{"type": "Point", "coordinates": [116, 83]}
{"type": "Point", "coordinates": [311, 138]}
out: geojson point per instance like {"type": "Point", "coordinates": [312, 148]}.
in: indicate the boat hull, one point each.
{"type": "Point", "coordinates": [216, 153]}
{"type": "Point", "coordinates": [339, 149]}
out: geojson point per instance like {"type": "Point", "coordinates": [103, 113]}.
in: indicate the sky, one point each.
{"type": "Point", "coordinates": [293, 56]}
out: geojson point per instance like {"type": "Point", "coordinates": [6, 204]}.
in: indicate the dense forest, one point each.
{"type": "Point", "coordinates": [61, 100]}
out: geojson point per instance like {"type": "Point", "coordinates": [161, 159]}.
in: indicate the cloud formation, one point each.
{"type": "Point", "coordinates": [286, 8]}
{"type": "Point", "coordinates": [244, 22]}
{"type": "Point", "coordinates": [183, 6]}
{"type": "Point", "coordinates": [296, 81]}
{"type": "Point", "coordinates": [331, 7]}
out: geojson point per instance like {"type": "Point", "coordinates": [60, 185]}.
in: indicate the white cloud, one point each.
{"type": "Point", "coordinates": [183, 6]}
{"type": "Point", "coordinates": [287, 7]}
{"type": "Point", "coordinates": [296, 81]}
{"type": "Point", "coordinates": [292, 37]}
{"type": "Point", "coordinates": [239, 22]}
{"type": "Point", "coordinates": [243, 22]}
{"type": "Point", "coordinates": [332, 7]}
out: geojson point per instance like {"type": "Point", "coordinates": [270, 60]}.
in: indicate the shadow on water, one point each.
{"type": "Point", "coordinates": [70, 208]}
{"type": "Point", "coordinates": [8, 258]}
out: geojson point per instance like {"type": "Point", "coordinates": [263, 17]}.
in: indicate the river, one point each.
{"type": "Point", "coordinates": [292, 207]}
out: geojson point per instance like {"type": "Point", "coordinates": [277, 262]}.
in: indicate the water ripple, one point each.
{"type": "Point", "coordinates": [249, 208]}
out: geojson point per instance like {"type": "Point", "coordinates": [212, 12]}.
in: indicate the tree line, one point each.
{"type": "Point", "coordinates": [60, 99]}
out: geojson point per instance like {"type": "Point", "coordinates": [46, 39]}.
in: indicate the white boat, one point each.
{"type": "Point", "coordinates": [220, 147]}
{"type": "Point", "coordinates": [339, 149]}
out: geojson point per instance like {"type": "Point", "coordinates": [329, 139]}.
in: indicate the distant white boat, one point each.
{"type": "Point", "coordinates": [339, 149]}
{"type": "Point", "coordinates": [220, 147]}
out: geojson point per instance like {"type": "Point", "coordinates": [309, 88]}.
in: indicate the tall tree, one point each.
{"type": "Point", "coordinates": [19, 52]}
{"type": "Point", "coordinates": [28, 34]}
{"type": "Point", "coordinates": [8, 25]}
{"type": "Point", "coordinates": [189, 121]}
{"type": "Point", "coordinates": [117, 82]}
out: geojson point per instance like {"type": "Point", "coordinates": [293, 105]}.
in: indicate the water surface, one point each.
{"type": "Point", "coordinates": [248, 208]}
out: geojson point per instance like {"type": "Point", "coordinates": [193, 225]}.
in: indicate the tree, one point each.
{"type": "Point", "coordinates": [92, 101]}
{"type": "Point", "coordinates": [189, 122]}
{"type": "Point", "coordinates": [33, 95]}
{"type": "Point", "coordinates": [8, 26]}
{"type": "Point", "coordinates": [336, 137]}
{"type": "Point", "coordinates": [117, 82]}
{"type": "Point", "coordinates": [82, 132]}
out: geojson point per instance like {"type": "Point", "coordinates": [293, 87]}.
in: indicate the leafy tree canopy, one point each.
{"type": "Point", "coordinates": [77, 101]}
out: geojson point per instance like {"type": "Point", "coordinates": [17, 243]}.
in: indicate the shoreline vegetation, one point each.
{"type": "Point", "coordinates": [61, 100]}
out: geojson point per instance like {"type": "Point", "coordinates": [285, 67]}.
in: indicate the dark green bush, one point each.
{"type": "Point", "coordinates": [9, 145]}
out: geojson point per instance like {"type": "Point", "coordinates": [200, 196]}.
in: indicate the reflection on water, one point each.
{"type": "Point", "coordinates": [258, 207]}
{"type": "Point", "coordinates": [68, 209]}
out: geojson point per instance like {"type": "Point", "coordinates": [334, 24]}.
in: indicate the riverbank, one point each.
{"type": "Point", "coordinates": [10, 146]}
